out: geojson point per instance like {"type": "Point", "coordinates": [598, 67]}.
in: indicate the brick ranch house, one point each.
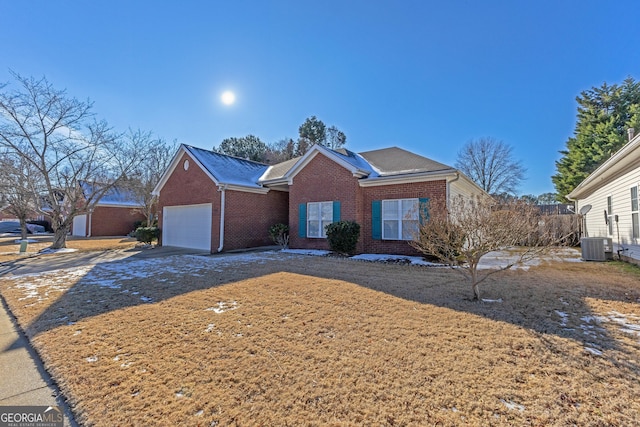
{"type": "Point", "coordinates": [216, 203]}
{"type": "Point", "coordinates": [114, 215]}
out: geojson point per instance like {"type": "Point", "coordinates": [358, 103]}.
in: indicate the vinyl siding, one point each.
{"type": "Point", "coordinates": [619, 190]}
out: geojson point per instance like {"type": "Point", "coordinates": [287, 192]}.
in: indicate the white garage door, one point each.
{"type": "Point", "coordinates": [187, 226]}
{"type": "Point", "coordinates": [79, 227]}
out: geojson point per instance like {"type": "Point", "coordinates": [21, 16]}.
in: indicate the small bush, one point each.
{"type": "Point", "coordinates": [147, 234]}
{"type": "Point", "coordinates": [343, 236]}
{"type": "Point", "coordinates": [279, 233]}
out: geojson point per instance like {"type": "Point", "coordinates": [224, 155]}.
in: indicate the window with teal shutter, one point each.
{"type": "Point", "coordinates": [376, 220]}
{"type": "Point", "coordinates": [302, 220]}
{"type": "Point", "coordinates": [336, 211]}
{"type": "Point", "coordinates": [319, 215]}
{"type": "Point", "coordinates": [424, 209]}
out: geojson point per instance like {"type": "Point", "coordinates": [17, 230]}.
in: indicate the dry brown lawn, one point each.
{"type": "Point", "coordinates": [10, 250]}
{"type": "Point", "coordinates": [276, 339]}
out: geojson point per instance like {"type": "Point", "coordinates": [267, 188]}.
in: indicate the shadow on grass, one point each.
{"type": "Point", "coordinates": [536, 300]}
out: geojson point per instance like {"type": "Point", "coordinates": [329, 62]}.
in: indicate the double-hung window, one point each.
{"type": "Point", "coordinates": [635, 221]}
{"type": "Point", "coordinates": [319, 215]}
{"type": "Point", "coordinates": [400, 219]}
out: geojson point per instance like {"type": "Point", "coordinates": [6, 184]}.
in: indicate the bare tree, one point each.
{"type": "Point", "coordinates": [17, 191]}
{"type": "Point", "coordinates": [469, 228]}
{"type": "Point", "coordinates": [60, 137]}
{"type": "Point", "coordinates": [149, 171]}
{"type": "Point", "coordinates": [489, 163]}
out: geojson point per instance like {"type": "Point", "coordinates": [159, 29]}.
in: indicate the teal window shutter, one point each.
{"type": "Point", "coordinates": [376, 220]}
{"type": "Point", "coordinates": [423, 209]}
{"type": "Point", "coordinates": [302, 220]}
{"type": "Point", "coordinates": [336, 211]}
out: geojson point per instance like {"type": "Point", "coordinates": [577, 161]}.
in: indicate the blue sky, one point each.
{"type": "Point", "coordinates": [422, 75]}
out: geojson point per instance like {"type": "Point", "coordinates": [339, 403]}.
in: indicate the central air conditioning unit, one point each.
{"type": "Point", "coordinates": [596, 248]}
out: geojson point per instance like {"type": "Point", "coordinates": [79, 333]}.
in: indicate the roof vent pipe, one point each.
{"type": "Point", "coordinates": [631, 132]}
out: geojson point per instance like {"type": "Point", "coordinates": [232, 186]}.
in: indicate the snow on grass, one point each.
{"type": "Point", "coordinates": [223, 306]}
{"type": "Point", "coordinates": [593, 350]}
{"type": "Point", "coordinates": [512, 405]}
{"type": "Point", "coordinates": [57, 251]}
{"type": "Point", "coordinates": [120, 275]}
{"type": "Point", "coordinates": [413, 260]}
{"type": "Point", "coordinates": [563, 317]}
{"type": "Point", "coordinates": [314, 252]}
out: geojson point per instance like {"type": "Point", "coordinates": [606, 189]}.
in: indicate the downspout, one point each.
{"type": "Point", "coordinates": [449, 185]}
{"type": "Point", "coordinates": [89, 221]}
{"type": "Point", "coordinates": [222, 189]}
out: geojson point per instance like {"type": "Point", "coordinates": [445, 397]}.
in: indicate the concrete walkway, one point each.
{"type": "Point", "coordinates": [24, 381]}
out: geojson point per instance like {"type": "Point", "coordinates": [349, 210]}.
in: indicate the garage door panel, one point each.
{"type": "Point", "coordinates": [79, 227]}
{"type": "Point", "coordinates": [187, 226]}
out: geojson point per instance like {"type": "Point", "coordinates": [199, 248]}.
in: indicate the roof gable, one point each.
{"type": "Point", "coordinates": [224, 171]}
{"type": "Point", "coordinates": [345, 158]}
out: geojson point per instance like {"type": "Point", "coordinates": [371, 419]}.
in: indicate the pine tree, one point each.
{"type": "Point", "coordinates": [604, 115]}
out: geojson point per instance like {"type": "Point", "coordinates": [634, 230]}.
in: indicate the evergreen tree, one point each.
{"type": "Point", "coordinates": [250, 147]}
{"type": "Point", "coordinates": [604, 115]}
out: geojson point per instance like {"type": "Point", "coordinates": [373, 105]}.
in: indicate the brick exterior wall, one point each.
{"type": "Point", "coordinates": [248, 216]}
{"type": "Point", "coordinates": [113, 221]}
{"type": "Point", "coordinates": [432, 190]}
{"type": "Point", "coordinates": [191, 187]}
{"type": "Point", "coordinates": [323, 180]}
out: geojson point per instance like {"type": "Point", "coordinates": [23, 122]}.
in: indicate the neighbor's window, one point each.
{"type": "Point", "coordinates": [635, 221]}
{"type": "Point", "coordinates": [400, 219]}
{"type": "Point", "coordinates": [319, 215]}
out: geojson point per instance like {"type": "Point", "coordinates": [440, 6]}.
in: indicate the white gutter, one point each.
{"type": "Point", "coordinates": [222, 190]}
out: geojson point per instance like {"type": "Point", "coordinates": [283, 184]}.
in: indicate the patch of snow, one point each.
{"type": "Point", "coordinates": [28, 241]}
{"type": "Point", "coordinates": [57, 251]}
{"type": "Point", "coordinates": [593, 351]}
{"type": "Point", "coordinates": [146, 299]}
{"type": "Point", "coordinates": [491, 300]}
{"type": "Point", "coordinates": [413, 260]}
{"type": "Point", "coordinates": [210, 327]}
{"type": "Point", "coordinates": [223, 306]}
{"type": "Point", "coordinates": [314, 252]}
{"type": "Point", "coordinates": [564, 316]}
{"type": "Point", "coordinates": [512, 405]}
{"type": "Point", "coordinates": [92, 359]}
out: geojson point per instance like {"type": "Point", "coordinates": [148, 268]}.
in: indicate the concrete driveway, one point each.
{"type": "Point", "coordinates": [48, 262]}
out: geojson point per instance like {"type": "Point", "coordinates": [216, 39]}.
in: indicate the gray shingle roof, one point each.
{"type": "Point", "coordinates": [279, 170]}
{"type": "Point", "coordinates": [113, 196]}
{"type": "Point", "coordinates": [227, 169]}
{"type": "Point", "coordinates": [387, 162]}
{"type": "Point", "coordinates": [396, 161]}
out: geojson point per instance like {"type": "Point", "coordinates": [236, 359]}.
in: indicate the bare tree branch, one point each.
{"type": "Point", "coordinates": [59, 137]}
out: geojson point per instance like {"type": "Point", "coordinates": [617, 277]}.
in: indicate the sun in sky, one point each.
{"type": "Point", "coordinates": [228, 97]}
